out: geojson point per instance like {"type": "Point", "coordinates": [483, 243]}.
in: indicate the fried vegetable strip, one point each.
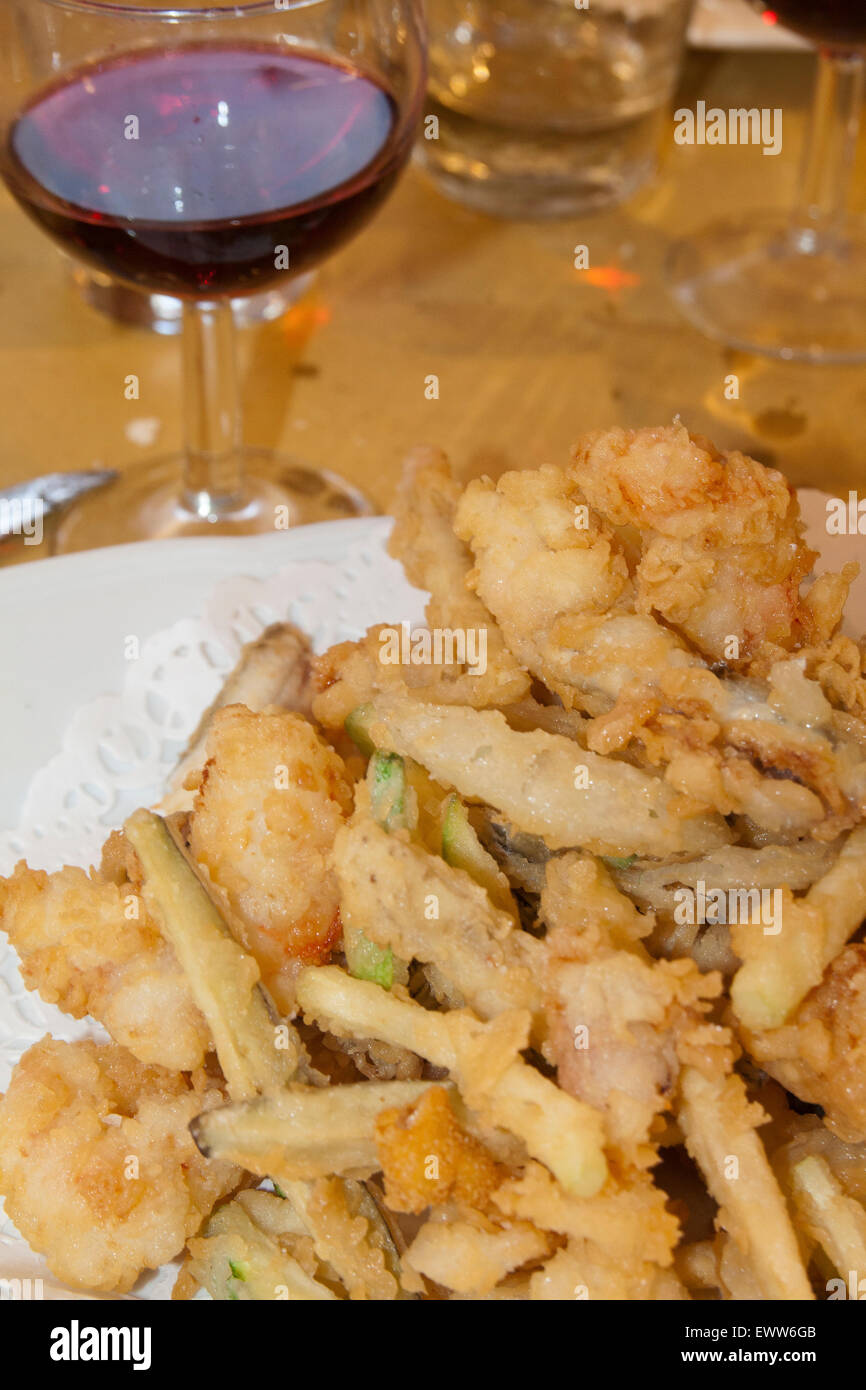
{"type": "Point", "coordinates": [779, 970]}
{"type": "Point", "coordinates": [303, 1131]}
{"type": "Point", "coordinates": [835, 1220]}
{"type": "Point", "coordinates": [223, 978]}
{"type": "Point", "coordinates": [435, 559]}
{"type": "Point", "coordinates": [274, 669]}
{"type": "Point", "coordinates": [400, 896]}
{"type": "Point", "coordinates": [820, 1055]}
{"type": "Point", "coordinates": [543, 783]}
{"type": "Point", "coordinates": [350, 1234]}
{"type": "Point", "coordinates": [719, 1127]}
{"type": "Point", "coordinates": [236, 1260]}
{"type": "Point", "coordinates": [393, 804]}
{"type": "Point", "coordinates": [561, 1132]}
{"type": "Point", "coordinates": [461, 847]}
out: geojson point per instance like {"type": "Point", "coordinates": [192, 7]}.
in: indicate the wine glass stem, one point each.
{"type": "Point", "coordinates": [825, 178]}
{"type": "Point", "coordinates": [213, 483]}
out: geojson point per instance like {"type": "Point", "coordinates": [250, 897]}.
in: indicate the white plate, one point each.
{"type": "Point", "coordinates": [63, 625]}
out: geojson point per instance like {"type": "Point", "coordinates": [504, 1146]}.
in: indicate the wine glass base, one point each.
{"type": "Point", "coordinates": [764, 287]}
{"type": "Point", "coordinates": [145, 503]}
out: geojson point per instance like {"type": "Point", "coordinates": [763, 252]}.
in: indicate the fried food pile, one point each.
{"type": "Point", "coordinates": [526, 967]}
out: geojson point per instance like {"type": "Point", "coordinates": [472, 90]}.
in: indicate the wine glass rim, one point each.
{"type": "Point", "coordinates": [173, 12]}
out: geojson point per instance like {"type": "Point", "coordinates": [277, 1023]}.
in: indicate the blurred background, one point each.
{"type": "Point", "coordinates": [491, 336]}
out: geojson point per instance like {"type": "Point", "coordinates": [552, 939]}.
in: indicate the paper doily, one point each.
{"type": "Point", "coordinates": [119, 750]}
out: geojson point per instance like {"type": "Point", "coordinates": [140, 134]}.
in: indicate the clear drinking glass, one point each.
{"type": "Point", "coordinates": [793, 285]}
{"type": "Point", "coordinates": [207, 152]}
{"type": "Point", "coordinates": [547, 108]}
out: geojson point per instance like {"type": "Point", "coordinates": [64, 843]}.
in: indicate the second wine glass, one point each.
{"type": "Point", "coordinates": [794, 286]}
{"type": "Point", "coordinates": [208, 152]}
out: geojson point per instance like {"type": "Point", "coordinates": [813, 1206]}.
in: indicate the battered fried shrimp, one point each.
{"type": "Point", "coordinates": [584, 1269]}
{"type": "Point", "coordinates": [619, 1030]}
{"type": "Point", "coordinates": [351, 673]}
{"type": "Point", "coordinates": [629, 1220]}
{"type": "Point", "coordinates": [88, 945]}
{"type": "Point", "coordinates": [580, 570]}
{"type": "Point", "coordinates": [97, 1165]}
{"type": "Point", "coordinates": [474, 1256]}
{"type": "Point", "coordinates": [722, 550]}
{"type": "Point", "coordinates": [620, 1024]}
{"type": "Point", "coordinates": [556, 578]}
{"type": "Point", "coordinates": [273, 669]}
{"type": "Point", "coordinates": [271, 800]}
{"type": "Point", "coordinates": [821, 1055]}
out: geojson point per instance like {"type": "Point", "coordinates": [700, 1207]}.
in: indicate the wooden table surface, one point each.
{"type": "Point", "coordinates": [529, 352]}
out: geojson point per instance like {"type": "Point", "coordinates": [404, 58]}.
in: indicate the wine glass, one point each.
{"type": "Point", "coordinates": [795, 287]}
{"type": "Point", "coordinates": [207, 152]}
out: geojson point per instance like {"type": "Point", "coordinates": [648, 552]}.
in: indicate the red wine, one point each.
{"type": "Point", "coordinates": [203, 169]}
{"type": "Point", "coordinates": [841, 22]}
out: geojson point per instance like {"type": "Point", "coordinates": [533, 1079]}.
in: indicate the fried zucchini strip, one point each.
{"type": "Point", "coordinates": [234, 1259]}
{"type": "Point", "coordinates": [563, 1133]}
{"type": "Point", "coordinates": [719, 1127]}
{"type": "Point", "coordinates": [543, 783]}
{"type": "Point", "coordinates": [401, 897]}
{"type": "Point", "coordinates": [305, 1132]}
{"type": "Point", "coordinates": [832, 1218]}
{"type": "Point", "coordinates": [778, 971]}
{"type": "Point", "coordinates": [423, 539]}
{"type": "Point", "coordinates": [224, 979]}
{"type": "Point", "coordinates": [461, 847]}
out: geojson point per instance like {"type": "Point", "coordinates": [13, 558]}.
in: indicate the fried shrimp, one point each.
{"type": "Point", "coordinates": [621, 1024]}
{"type": "Point", "coordinates": [620, 580]}
{"type": "Point", "coordinates": [88, 945]}
{"type": "Point", "coordinates": [821, 1055]}
{"type": "Point", "coordinates": [97, 1165]}
{"type": "Point", "coordinates": [271, 800]}
{"type": "Point", "coordinates": [722, 550]}
{"type": "Point", "coordinates": [556, 578]}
